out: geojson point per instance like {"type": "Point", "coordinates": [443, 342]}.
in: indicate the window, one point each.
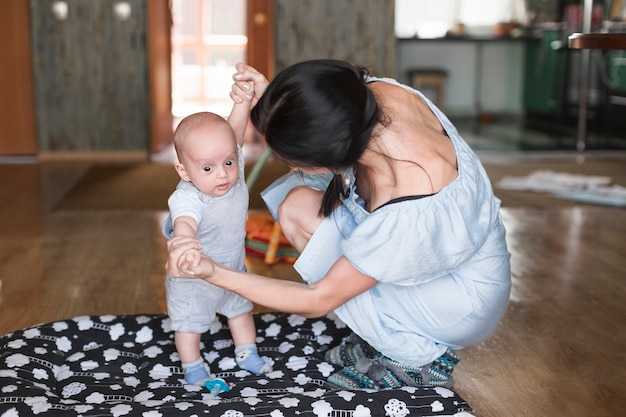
{"type": "Point", "coordinates": [208, 39]}
{"type": "Point", "coordinates": [485, 13]}
{"type": "Point", "coordinates": [424, 18]}
{"type": "Point", "coordinates": [434, 18]}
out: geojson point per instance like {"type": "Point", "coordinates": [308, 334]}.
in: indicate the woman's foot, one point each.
{"type": "Point", "coordinates": [383, 372]}
{"type": "Point", "coordinates": [348, 353]}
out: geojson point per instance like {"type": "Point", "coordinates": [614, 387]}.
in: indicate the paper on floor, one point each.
{"type": "Point", "coordinates": [609, 196]}
{"type": "Point", "coordinates": [591, 189]}
{"type": "Point", "coordinates": [551, 181]}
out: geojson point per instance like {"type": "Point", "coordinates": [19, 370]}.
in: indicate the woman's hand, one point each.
{"type": "Point", "coordinates": [189, 261]}
{"type": "Point", "coordinates": [177, 248]}
{"type": "Point", "coordinates": [186, 261]}
{"type": "Point", "coordinates": [249, 84]}
{"type": "Point", "coordinates": [194, 263]}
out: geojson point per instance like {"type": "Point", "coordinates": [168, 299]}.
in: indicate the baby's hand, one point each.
{"type": "Point", "coordinates": [193, 263]}
{"type": "Point", "coordinates": [177, 247]}
{"type": "Point", "coordinates": [249, 84]}
{"type": "Point", "coordinates": [189, 261]}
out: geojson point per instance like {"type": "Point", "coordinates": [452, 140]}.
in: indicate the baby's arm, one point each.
{"type": "Point", "coordinates": [248, 88]}
{"type": "Point", "coordinates": [239, 115]}
{"type": "Point", "coordinates": [238, 120]}
{"type": "Point", "coordinates": [185, 228]}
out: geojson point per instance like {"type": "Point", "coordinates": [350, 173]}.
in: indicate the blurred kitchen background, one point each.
{"type": "Point", "coordinates": [113, 77]}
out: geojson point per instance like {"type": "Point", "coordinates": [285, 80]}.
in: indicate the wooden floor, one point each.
{"type": "Point", "coordinates": [560, 350]}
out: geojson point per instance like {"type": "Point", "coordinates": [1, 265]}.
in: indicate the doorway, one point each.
{"type": "Point", "coordinates": [20, 116]}
{"type": "Point", "coordinates": [208, 38]}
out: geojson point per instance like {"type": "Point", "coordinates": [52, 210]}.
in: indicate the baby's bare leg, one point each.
{"type": "Point", "coordinates": [242, 329]}
{"type": "Point", "coordinates": [188, 347]}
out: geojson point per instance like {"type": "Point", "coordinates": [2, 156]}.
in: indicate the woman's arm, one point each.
{"type": "Point", "coordinates": [342, 283]}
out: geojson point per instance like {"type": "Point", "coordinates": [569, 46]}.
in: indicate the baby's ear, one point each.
{"type": "Point", "coordinates": [182, 172]}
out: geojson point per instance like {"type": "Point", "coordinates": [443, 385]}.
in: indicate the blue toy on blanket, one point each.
{"type": "Point", "coordinates": [128, 365]}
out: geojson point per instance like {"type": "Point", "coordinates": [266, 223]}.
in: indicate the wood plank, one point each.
{"type": "Point", "coordinates": [260, 27]}
{"type": "Point", "coordinates": [17, 107]}
{"type": "Point", "coordinates": [160, 73]}
{"type": "Point", "coordinates": [558, 351]}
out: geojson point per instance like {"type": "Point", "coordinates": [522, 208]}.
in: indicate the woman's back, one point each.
{"type": "Point", "coordinates": [411, 155]}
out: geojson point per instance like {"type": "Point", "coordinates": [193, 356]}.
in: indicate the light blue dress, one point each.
{"type": "Point", "coordinates": [441, 261]}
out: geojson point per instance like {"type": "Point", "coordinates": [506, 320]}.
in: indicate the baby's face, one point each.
{"type": "Point", "coordinates": [211, 161]}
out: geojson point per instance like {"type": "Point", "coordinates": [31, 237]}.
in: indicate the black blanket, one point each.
{"type": "Point", "coordinates": [128, 366]}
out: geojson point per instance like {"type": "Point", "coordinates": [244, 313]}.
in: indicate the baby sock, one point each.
{"type": "Point", "coordinates": [248, 358]}
{"type": "Point", "coordinates": [196, 372]}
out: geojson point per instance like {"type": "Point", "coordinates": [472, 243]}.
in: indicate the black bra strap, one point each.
{"type": "Point", "coordinates": [405, 198]}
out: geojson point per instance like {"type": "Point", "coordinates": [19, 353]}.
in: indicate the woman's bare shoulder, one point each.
{"type": "Point", "coordinates": [399, 103]}
{"type": "Point", "coordinates": [415, 134]}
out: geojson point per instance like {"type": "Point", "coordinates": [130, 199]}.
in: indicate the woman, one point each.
{"type": "Point", "coordinates": [393, 214]}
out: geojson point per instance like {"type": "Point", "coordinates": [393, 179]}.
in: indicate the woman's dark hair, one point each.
{"type": "Point", "coordinates": [318, 114]}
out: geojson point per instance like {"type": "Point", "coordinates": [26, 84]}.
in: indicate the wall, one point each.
{"type": "Point", "coordinates": [362, 31]}
{"type": "Point", "coordinates": [493, 84]}
{"type": "Point", "coordinates": [91, 72]}
{"type": "Point", "coordinates": [359, 31]}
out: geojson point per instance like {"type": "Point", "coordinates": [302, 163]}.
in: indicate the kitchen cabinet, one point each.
{"type": "Point", "coordinates": [545, 74]}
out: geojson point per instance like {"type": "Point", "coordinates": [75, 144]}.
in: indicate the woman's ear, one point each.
{"type": "Point", "coordinates": [182, 172]}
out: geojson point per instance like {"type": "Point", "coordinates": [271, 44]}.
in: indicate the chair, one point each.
{"type": "Point", "coordinates": [430, 80]}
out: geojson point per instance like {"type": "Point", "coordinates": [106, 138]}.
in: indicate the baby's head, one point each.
{"type": "Point", "coordinates": [206, 148]}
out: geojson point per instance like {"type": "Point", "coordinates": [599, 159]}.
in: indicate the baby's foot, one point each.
{"type": "Point", "coordinates": [248, 358]}
{"type": "Point", "coordinates": [196, 373]}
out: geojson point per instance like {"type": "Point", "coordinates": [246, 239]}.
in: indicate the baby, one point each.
{"type": "Point", "coordinates": [210, 205]}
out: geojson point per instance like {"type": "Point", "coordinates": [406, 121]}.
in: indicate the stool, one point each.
{"type": "Point", "coordinates": [430, 79]}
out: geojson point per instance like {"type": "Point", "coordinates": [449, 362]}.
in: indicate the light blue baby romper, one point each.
{"type": "Point", "coordinates": [192, 303]}
{"type": "Point", "coordinates": [441, 261]}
